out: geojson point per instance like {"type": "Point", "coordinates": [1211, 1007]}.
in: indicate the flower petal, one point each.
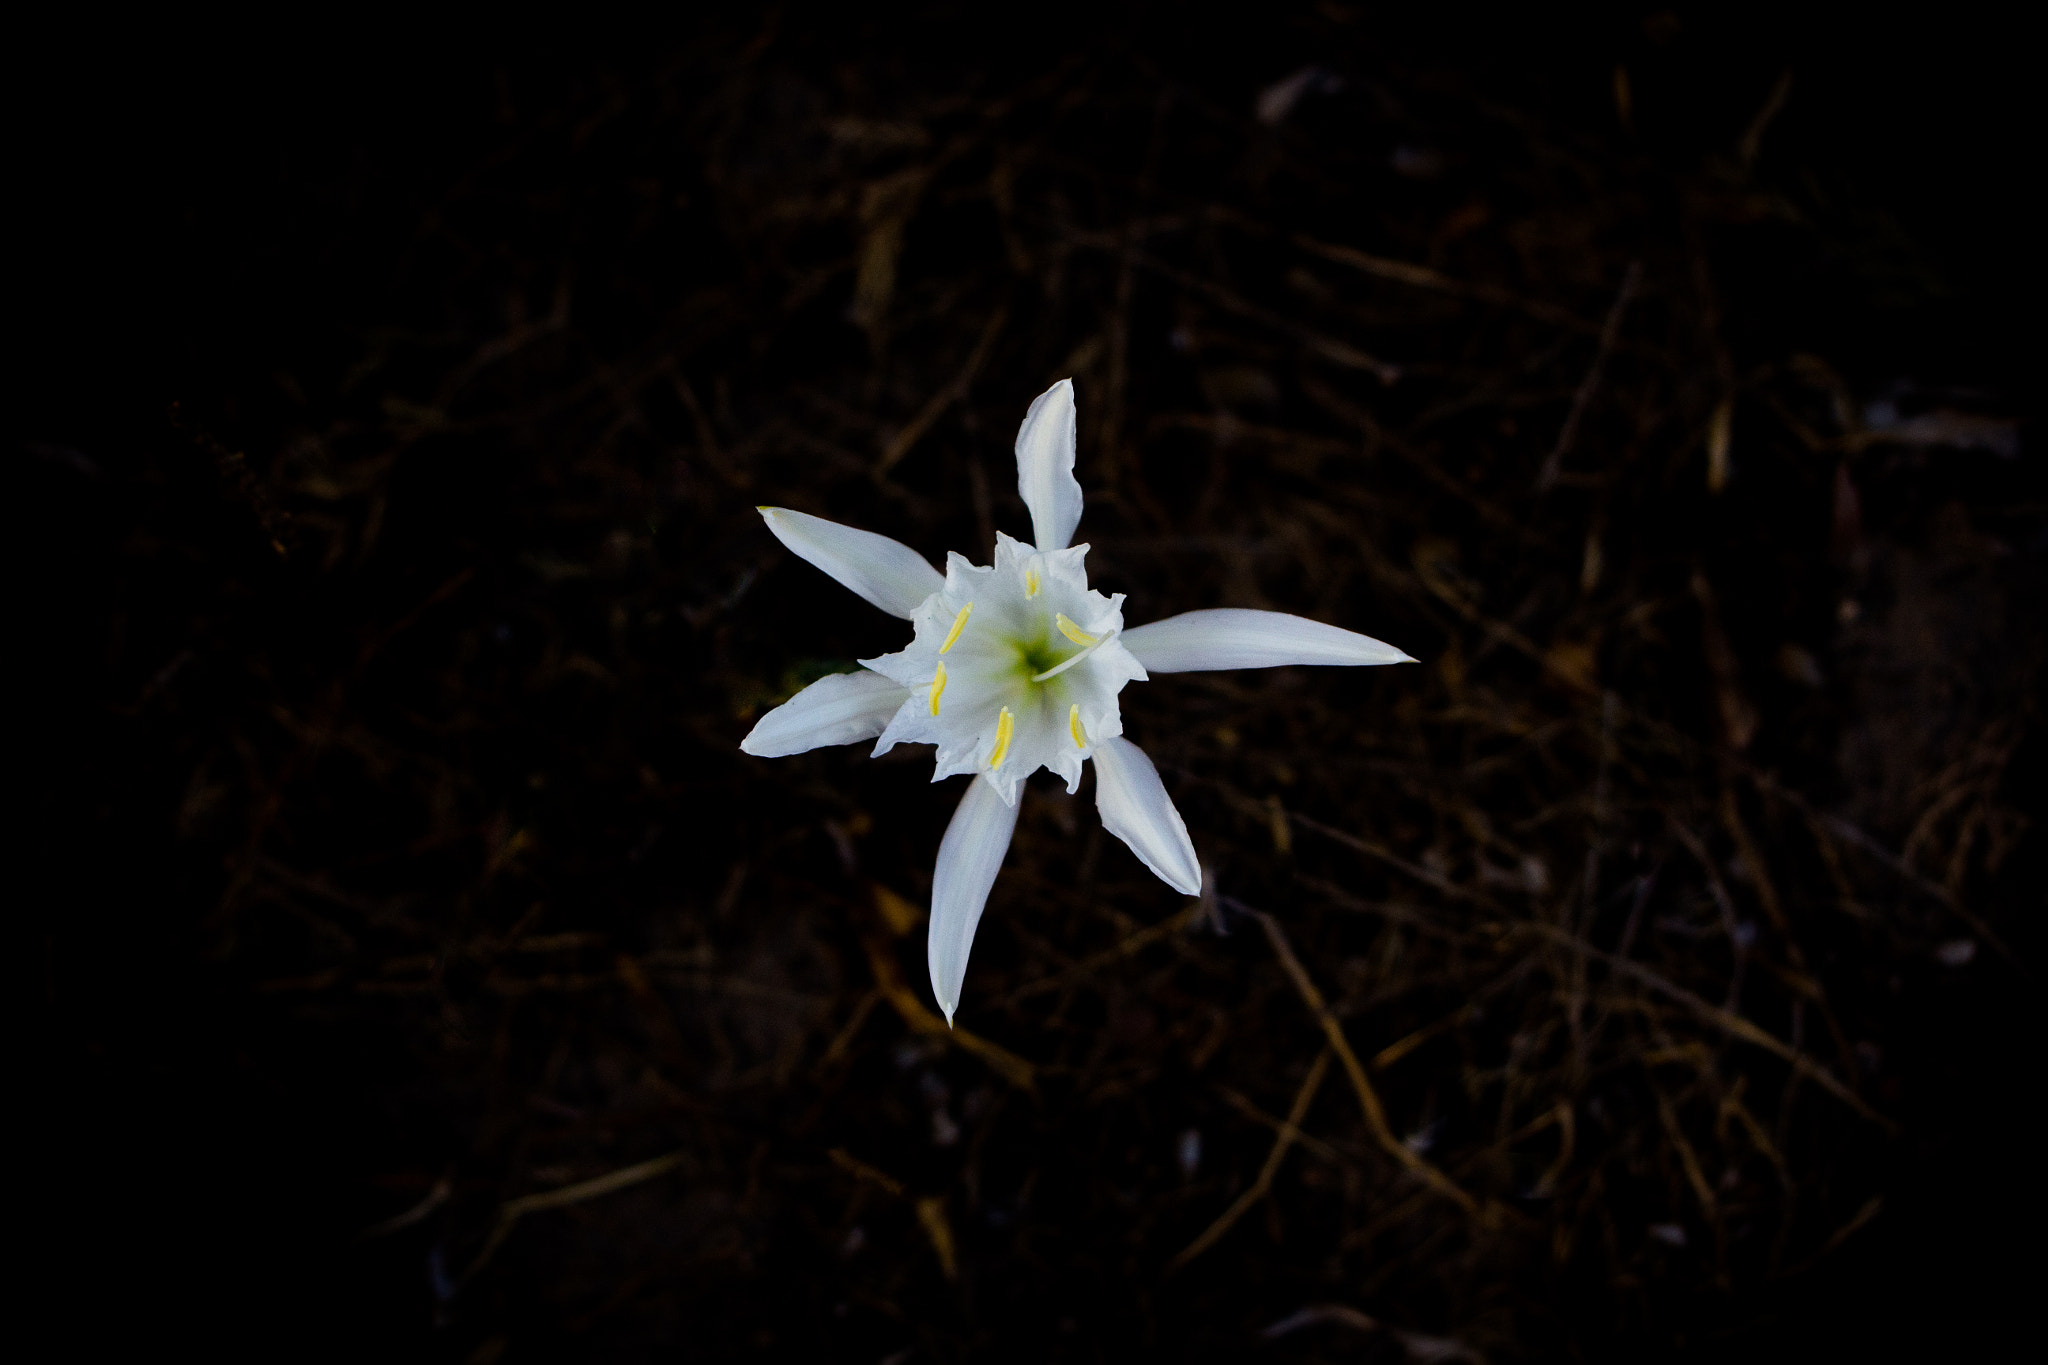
{"type": "Point", "coordinates": [887, 572]}
{"type": "Point", "coordinates": [1231, 637]}
{"type": "Point", "coordinates": [841, 709]}
{"type": "Point", "coordinates": [969, 857]}
{"type": "Point", "coordinates": [1136, 809]}
{"type": "Point", "coordinates": [1045, 467]}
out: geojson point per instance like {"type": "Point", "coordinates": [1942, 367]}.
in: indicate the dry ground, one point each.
{"type": "Point", "coordinates": [1628, 978]}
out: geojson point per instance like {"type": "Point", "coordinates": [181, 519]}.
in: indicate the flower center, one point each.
{"type": "Point", "coordinates": [1036, 656]}
{"type": "Point", "coordinates": [1047, 656]}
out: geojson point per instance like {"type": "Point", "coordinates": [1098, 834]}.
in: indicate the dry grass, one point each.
{"type": "Point", "coordinates": [1540, 1001]}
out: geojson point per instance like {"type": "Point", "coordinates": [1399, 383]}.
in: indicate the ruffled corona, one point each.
{"type": "Point", "coordinates": [1024, 637]}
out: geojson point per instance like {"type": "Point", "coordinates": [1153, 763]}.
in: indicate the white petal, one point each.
{"type": "Point", "coordinates": [841, 709]}
{"type": "Point", "coordinates": [1045, 467]}
{"type": "Point", "coordinates": [887, 572]}
{"type": "Point", "coordinates": [969, 857]}
{"type": "Point", "coordinates": [1136, 809]}
{"type": "Point", "coordinates": [1230, 637]}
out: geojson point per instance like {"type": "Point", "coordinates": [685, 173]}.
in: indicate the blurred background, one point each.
{"type": "Point", "coordinates": [409, 962]}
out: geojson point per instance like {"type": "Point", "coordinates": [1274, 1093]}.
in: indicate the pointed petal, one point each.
{"type": "Point", "coordinates": [969, 857]}
{"type": "Point", "coordinates": [841, 709]}
{"type": "Point", "coordinates": [887, 572]}
{"type": "Point", "coordinates": [1045, 467]}
{"type": "Point", "coordinates": [1230, 637]}
{"type": "Point", "coordinates": [1136, 809]}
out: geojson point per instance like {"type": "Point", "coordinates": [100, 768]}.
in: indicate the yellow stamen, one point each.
{"type": "Point", "coordinates": [1072, 631]}
{"type": "Point", "coordinates": [959, 624]}
{"type": "Point", "coordinates": [1031, 582]}
{"type": "Point", "coordinates": [938, 686]}
{"type": "Point", "coordinates": [1074, 725]}
{"type": "Point", "coordinates": [1005, 724]}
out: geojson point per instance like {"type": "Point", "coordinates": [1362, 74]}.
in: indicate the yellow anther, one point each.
{"type": "Point", "coordinates": [1072, 631]}
{"type": "Point", "coordinates": [1005, 725]}
{"type": "Point", "coordinates": [938, 686]}
{"type": "Point", "coordinates": [1074, 726]}
{"type": "Point", "coordinates": [1031, 581]}
{"type": "Point", "coordinates": [959, 624]}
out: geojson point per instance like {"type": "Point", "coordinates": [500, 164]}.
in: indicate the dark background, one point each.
{"type": "Point", "coordinates": [387, 415]}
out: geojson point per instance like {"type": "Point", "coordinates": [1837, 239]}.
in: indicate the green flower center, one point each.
{"type": "Point", "coordinates": [1047, 651]}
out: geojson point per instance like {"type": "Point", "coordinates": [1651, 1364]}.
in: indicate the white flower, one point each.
{"type": "Point", "coordinates": [1018, 667]}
